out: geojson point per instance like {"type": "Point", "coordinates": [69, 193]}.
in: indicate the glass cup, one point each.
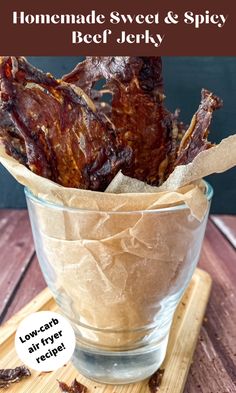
{"type": "Point", "coordinates": [118, 277]}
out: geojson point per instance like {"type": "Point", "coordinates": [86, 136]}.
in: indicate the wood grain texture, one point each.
{"type": "Point", "coordinates": [227, 225]}
{"type": "Point", "coordinates": [43, 301]}
{"type": "Point", "coordinates": [214, 362]}
{"type": "Point", "coordinates": [16, 251]}
{"type": "Point", "coordinates": [184, 333]}
{"type": "Point", "coordinates": [31, 284]}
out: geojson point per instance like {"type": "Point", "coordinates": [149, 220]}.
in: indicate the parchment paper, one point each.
{"type": "Point", "coordinates": [115, 262]}
{"type": "Point", "coordinates": [218, 159]}
{"type": "Point", "coordinates": [182, 185]}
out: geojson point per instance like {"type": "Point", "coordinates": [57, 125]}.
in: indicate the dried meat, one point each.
{"type": "Point", "coordinates": [155, 380]}
{"type": "Point", "coordinates": [75, 387]}
{"type": "Point", "coordinates": [65, 138]}
{"type": "Point", "coordinates": [70, 132]}
{"type": "Point", "coordinates": [159, 140]}
{"type": "Point", "coordinates": [137, 109]}
{"type": "Point", "coordinates": [195, 139]}
{"type": "Point", "coordinates": [12, 375]}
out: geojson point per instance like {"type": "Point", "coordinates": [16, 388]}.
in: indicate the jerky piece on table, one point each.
{"type": "Point", "coordinates": [195, 139]}
{"type": "Point", "coordinates": [66, 139]}
{"type": "Point", "coordinates": [137, 109]}
{"type": "Point", "coordinates": [76, 387]}
{"type": "Point", "coordinates": [9, 376]}
{"type": "Point", "coordinates": [155, 380]}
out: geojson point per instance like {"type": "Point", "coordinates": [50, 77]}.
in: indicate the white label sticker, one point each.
{"type": "Point", "coordinates": [45, 341]}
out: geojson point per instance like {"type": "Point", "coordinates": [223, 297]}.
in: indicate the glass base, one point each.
{"type": "Point", "coordinates": [120, 367]}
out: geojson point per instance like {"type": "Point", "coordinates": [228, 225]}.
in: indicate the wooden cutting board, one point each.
{"type": "Point", "coordinates": [183, 339]}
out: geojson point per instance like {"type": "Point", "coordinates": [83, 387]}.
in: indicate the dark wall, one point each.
{"type": "Point", "coordinates": [184, 78]}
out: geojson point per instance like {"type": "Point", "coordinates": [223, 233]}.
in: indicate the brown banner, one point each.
{"type": "Point", "coordinates": [92, 27]}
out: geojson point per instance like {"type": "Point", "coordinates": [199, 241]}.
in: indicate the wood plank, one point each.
{"type": "Point", "coordinates": [227, 225]}
{"type": "Point", "coordinates": [207, 374]}
{"type": "Point", "coordinates": [16, 251]}
{"type": "Point", "coordinates": [43, 301]}
{"type": "Point", "coordinates": [32, 284]}
{"type": "Point", "coordinates": [184, 332]}
{"type": "Point", "coordinates": [214, 365]}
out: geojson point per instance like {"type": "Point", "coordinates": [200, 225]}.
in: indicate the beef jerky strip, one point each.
{"type": "Point", "coordinates": [155, 380]}
{"type": "Point", "coordinates": [12, 140]}
{"type": "Point", "coordinates": [66, 139]}
{"type": "Point", "coordinates": [137, 113]}
{"type": "Point", "coordinates": [115, 70]}
{"type": "Point", "coordinates": [9, 376]}
{"type": "Point", "coordinates": [75, 387]}
{"type": "Point", "coordinates": [195, 139]}
{"type": "Point", "coordinates": [86, 73]}
{"type": "Point", "coordinates": [178, 131]}
{"type": "Point", "coordinates": [15, 73]}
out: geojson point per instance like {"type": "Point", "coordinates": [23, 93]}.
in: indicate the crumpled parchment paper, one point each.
{"type": "Point", "coordinates": [114, 259]}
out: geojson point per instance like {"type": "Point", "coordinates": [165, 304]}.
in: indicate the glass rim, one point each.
{"type": "Point", "coordinates": [29, 195]}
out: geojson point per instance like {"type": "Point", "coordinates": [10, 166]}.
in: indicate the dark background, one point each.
{"type": "Point", "coordinates": [184, 78]}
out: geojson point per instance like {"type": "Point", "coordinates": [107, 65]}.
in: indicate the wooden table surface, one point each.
{"type": "Point", "coordinates": [214, 364]}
